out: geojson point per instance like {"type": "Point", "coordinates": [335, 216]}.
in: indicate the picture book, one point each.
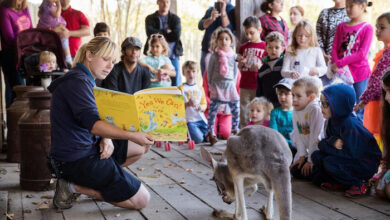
{"type": "Point", "coordinates": [160, 112]}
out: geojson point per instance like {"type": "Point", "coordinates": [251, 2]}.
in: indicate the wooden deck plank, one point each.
{"type": "Point", "coordinates": [83, 208]}
{"type": "Point", "coordinates": [32, 211]}
{"type": "Point", "coordinates": [15, 205]}
{"type": "Point", "coordinates": [373, 202]}
{"type": "Point", "coordinates": [111, 212]}
{"type": "Point", "coordinates": [9, 177]}
{"type": "Point", "coordinates": [3, 204]}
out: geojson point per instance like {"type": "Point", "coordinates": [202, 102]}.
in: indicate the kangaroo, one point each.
{"type": "Point", "coordinates": [256, 155]}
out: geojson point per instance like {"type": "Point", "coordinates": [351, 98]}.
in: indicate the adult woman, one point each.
{"type": "Point", "coordinates": [14, 18]}
{"type": "Point", "coordinates": [296, 15]}
{"type": "Point", "coordinates": [75, 125]}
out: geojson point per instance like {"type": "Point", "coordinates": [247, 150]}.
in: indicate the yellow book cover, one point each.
{"type": "Point", "coordinates": [159, 112]}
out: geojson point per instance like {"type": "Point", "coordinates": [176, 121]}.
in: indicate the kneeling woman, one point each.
{"type": "Point", "coordinates": [87, 161]}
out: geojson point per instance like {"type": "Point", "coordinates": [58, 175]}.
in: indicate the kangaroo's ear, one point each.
{"type": "Point", "coordinates": [207, 157]}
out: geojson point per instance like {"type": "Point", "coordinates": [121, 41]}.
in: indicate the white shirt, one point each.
{"type": "Point", "coordinates": [304, 61]}
{"type": "Point", "coordinates": [308, 127]}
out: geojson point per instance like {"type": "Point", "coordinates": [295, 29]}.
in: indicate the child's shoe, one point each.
{"type": "Point", "coordinates": [332, 187]}
{"type": "Point", "coordinates": [212, 139]}
{"type": "Point", "coordinates": [234, 132]}
{"type": "Point", "coordinates": [357, 191]}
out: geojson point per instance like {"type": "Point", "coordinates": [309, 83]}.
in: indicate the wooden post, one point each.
{"type": "Point", "coordinates": [245, 8]}
{"type": "Point", "coordinates": [173, 8]}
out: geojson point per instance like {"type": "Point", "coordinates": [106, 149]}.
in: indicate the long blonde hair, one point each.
{"type": "Point", "coordinates": [99, 46]}
{"type": "Point", "coordinates": [308, 27]}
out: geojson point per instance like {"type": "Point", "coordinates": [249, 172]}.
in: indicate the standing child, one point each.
{"type": "Point", "coordinates": [269, 73]}
{"type": "Point", "coordinates": [351, 45]}
{"type": "Point", "coordinates": [158, 62]}
{"type": "Point", "coordinates": [281, 117]}
{"type": "Point", "coordinates": [383, 185]}
{"type": "Point", "coordinates": [222, 78]}
{"type": "Point", "coordinates": [304, 56]}
{"type": "Point", "coordinates": [348, 156]}
{"type": "Point", "coordinates": [370, 99]}
{"type": "Point", "coordinates": [272, 21]}
{"type": "Point", "coordinates": [259, 111]}
{"type": "Point", "coordinates": [308, 124]}
{"type": "Point", "coordinates": [50, 17]}
{"type": "Point", "coordinates": [249, 62]}
{"type": "Point", "coordinates": [195, 103]}
{"type": "Point", "coordinates": [101, 30]}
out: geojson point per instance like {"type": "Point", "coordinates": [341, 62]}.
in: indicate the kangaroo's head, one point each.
{"type": "Point", "coordinates": [221, 177]}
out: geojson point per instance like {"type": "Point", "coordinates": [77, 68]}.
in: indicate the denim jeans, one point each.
{"type": "Point", "coordinates": [360, 87]}
{"type": "Point", "coordinates": [176, 81]}
{"type": "Point", "coordinates": [203, 62]}
{"type": "Point", "coordinates": [197, 131]}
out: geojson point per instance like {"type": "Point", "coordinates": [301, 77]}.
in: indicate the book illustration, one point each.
{"type": "Point", "coordinates": [160, 112]}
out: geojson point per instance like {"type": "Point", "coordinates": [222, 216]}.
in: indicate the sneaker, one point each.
{"type": "Point", "coordinates": [357, 191]}
{"type": "Point", "coordinates": [332, 187]}
{"type": "Point", "coordinates": [63, 196]}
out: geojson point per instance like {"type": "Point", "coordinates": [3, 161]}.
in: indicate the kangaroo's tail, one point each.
{"type": "Point", "coordinates": [282, 189]}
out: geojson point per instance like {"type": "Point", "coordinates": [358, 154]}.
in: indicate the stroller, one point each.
{"type": "Point", "coordinates": [29, 45]}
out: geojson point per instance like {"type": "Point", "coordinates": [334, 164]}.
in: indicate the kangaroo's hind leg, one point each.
{"type": "Point", "coordinates": [268, 211]}
{"type": "Point", "coordinates": [281, 184]}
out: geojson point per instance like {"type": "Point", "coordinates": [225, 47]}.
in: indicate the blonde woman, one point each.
{"type": "Point", "coordinates": [85, 163]}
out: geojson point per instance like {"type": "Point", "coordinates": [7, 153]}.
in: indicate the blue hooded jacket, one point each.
{"type": "Point", "coordinates": [358, 142]}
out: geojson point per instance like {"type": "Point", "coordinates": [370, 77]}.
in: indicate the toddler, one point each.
{"type": "Point", "coordinates": [259, 111]}
{"type": "Point", "coordinates": [47, 63]}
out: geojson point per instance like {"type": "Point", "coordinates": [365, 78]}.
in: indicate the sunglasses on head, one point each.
{"type": "Point", "coordinates": [157, 36]}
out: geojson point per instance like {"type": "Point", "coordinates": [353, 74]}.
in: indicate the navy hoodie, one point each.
{"type": "Point", "coordinates": [358, 141]}
{"type": "Point", "coordinates": [73, 113]}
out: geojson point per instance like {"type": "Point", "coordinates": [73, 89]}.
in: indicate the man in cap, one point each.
{"type": "Point", "coordinates": [127, 75]}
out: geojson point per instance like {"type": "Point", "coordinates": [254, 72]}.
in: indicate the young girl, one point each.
{"type": "Point", "coordinates": [50, 17]}
{"type": "Point", "coordinates": [370, 99]}
{"type": "Point", "coordinates": [259, 111]}
{"type": "Point", "coordinates": [296, 15]}
{"type": "Point", "coordinates": [272, 21]}
{"type": "Point", "coordinates": [47, 63]}
{"type": "Point", "coordinates": [351, 45]}
{"type": "Point", "coordinates": [304, 57]}
{"type": "Point", "coordinates": [383, 185]}
{"type": "Point", "coordinates": [158, 63]}
{"type": "Point", "coordinates": [221, 78]}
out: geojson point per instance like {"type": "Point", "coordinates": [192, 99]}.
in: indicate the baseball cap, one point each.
{"type": "Point", "coordinates": [131, 42]}
{"type": "Point", "coordinates": [286, 82]}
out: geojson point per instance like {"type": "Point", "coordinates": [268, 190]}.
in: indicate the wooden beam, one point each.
{"type": "Point", "coordinates": [173, 8]}
{"type": "Point", "coordinates": [245, 8]}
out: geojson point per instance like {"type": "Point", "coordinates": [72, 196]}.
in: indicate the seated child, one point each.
{"type": "Point", "coordinates": [269, 74]}
{"type": "Point", "coordinates": [101, 30]}
{"type": "Point", "coordinates": [259, 110]}
{"type": "Point", "coordinates": [50, 17]}
{"type": "Point", "coordinates": [195, 103]}
{"type": "Point", "coordinates": [308, 124]}
{"type": "Point", "coordinates": [47, 63]}
{"type": "Point", "coordinates": [349, 155]}
{"type": "Point", "coordinates": [281, 117]}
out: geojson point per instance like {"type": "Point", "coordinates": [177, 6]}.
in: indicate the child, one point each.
{"type": "Point", "coordinates": [383, 185]}
{"type": "Point", "coordinates": [370, 99]}
{"type": "Point", "coordinates": [296, 15]}
{"type": "Point", "coordinates": [272, 21]}
{"type": "Point", "coordinates": [101, 30]}
{"type": "Point", "coordinates": [50, 17]}
{"type": "Point", "coordinates": [351, 45]}
{"type": "Point", "coordinates": [269, 73]}
{"type": "Point", "coordinates": [47, 63]}
{"type": "Point", "coordinates": [222, 77]}
{"type": "Point", "coordinates": [308, 124]}
{"type": "Point", "coordinates": [259, 111]}
{"type": "Point", "coordinates": [195, 103]}
{"type": "Point", "coordinates": [304, 57]}
{"type": "Point", "coordinates": [249, 62]}
{"type": "Point", "coordinates": [281, 117]}
{"type": "Point", "coordinates": [158, 63]}
{"type": "Point", "coordinates": [348, 156]}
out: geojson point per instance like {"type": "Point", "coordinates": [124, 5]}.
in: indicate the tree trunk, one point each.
{"type": "Point", "coordinates": [127, 15]}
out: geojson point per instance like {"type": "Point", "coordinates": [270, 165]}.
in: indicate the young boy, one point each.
{"type": "Point", "coordinates": [348, 156]}
{"type": "Point", "coordinates": [195, 103]}
{"type": "Point", "coordinates": [308, 124]}
{"type": "Point", "coordinates": [269, 74]}
{"type": "Point", "coordinates": [281, 117]}
{"type": "Point", "coordinates": [249, 62]}
{"type": "Point", "coordinates": [101, 30]}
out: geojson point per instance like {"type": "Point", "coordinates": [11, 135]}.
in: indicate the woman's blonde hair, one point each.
{"type": "Point", "coordinates": [262, 101]}
{"type": "Point", "coordinates": [99, 46]}
{"type": "Point", "coordinates": [159, 38]}
{"type": "Point", "coordinates": [46, 56]}
{"type": "Point", "coordinates": [308, 27]}
{"type": "Point", "coordinates": [215, 35]}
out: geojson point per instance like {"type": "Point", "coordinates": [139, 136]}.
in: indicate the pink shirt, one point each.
{"type": "Point", "coordinates": [253, 52]}
{"type": "Point", "coordinates": [374, 86]}
{"type": "Point", "coordinates": [357, 61]}
{"type": "Point", "coordinates": [265, 123]}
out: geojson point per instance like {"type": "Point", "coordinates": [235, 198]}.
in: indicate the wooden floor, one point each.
{"type": "Point", "coordinates": [180, 185]}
